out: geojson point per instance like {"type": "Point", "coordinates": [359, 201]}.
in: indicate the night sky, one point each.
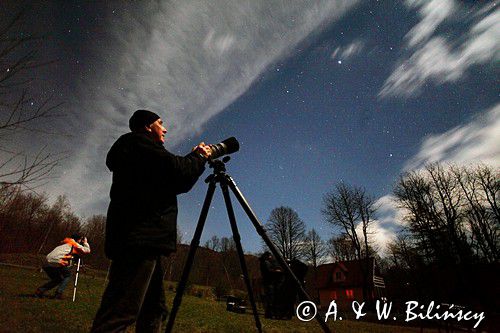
{"type": "Point", "coordinates": [317, 92]}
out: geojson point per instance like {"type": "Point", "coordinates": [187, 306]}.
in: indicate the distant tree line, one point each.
{"type": "Point", "coordinates": [29, 224]}
{"type": "Point", "coordinates": [450, 227]}
{"type": "Point", "coordinates": [452, 214]}
{"type": "Point", "coordinates": [450, 246]}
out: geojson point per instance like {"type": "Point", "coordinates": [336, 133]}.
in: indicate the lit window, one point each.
{"type": "Point", "coordinates": [349, 293]}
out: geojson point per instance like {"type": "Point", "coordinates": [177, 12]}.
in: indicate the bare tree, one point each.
{"type": "Point", "coordinates": [94, 229]}
{"type": "Point", "coordinates": [315, 249]}
{"type": "Point", "coordinates": [432, 202]}
{"type": "Point", "coordinates": [348, 208]}
{"type": "Point", "coordinates": [213, 243]}
{"type": "Point", "coordinates": [341, 248]}
{"type": "Point", "coordinates": [30, 225]}
{"type": "Point", "coordinates": [452, 212]}
{"type": "Point", "coordinates": [21, 214]}
{"type": "Point", "coordinates": [59, 222]}
{"type": "Point", "coordinates": [227, 244]}
{"type": "Point", "coordinates": [403, 252]}
{"type": "Point", "coordinates": [481, 187]}
{"type": "Point", "coordinates": [229, 258]}
{"type": "Point", "coordinates": [19, 59]}
{"type": "Point", "coordinates": [287, 231]}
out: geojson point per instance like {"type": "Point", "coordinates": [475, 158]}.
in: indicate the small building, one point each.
{"type": "Point", "coordinates": [342, 281]}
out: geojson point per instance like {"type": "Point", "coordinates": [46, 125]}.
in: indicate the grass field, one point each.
{"type": "Point", "coordinates": [21, 312]}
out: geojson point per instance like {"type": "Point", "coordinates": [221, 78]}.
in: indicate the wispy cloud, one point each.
{"type": "Point", "coordinates": [186, 60]}
{"type": "Point", "coordinates": [433, 13]}
{"type": "Point", "coordinates": [474, 142]}
{"type": "Point", "coordinates": [388, 223]}
{"type": "Point", "coordinates": [384, 228]}
{"type": "Point", "coordinates": [439, 59]}
{"type": "Point", "coordinates": [345, 52]}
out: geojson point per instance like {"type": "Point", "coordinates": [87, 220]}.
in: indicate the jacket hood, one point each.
{"type": "Point", "coordinates": [121, 149]}
{"type": "Point", "coordinates": [67, 240]}
{"type": "Point", "coordinates": [114, 154]}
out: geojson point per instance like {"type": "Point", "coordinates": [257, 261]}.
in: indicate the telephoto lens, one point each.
{"type": "Point", "coordinates": [226, 147]}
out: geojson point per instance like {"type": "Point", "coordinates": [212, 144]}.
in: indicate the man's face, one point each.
{"type": "Point", "coordinates": [157, 130]}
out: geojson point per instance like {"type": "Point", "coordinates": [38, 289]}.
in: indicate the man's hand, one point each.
{"type": "Point", "coordinates": [203, 150]}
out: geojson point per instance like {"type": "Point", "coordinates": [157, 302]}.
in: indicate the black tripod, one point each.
{"type": "Point", "coordinates": [219, 175]}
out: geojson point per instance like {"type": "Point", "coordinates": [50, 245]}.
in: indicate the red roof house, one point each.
{"type": "Point", "coordinates": [343, 282]}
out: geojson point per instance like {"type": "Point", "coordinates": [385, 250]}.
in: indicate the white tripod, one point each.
{"type": "Point", "coordinates": [76, 278]}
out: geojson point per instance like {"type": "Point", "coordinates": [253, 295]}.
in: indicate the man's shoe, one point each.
{"type": "Point", "coordinates": [58, 296]}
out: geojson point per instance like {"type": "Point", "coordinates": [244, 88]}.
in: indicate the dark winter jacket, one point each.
{"type": "Point", "coordinates": [142, 214]}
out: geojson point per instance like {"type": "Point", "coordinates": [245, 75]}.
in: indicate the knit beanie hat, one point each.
{"type": "Point", "coordinates": [142, 118]}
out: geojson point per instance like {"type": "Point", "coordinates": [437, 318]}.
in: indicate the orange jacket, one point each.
{"type": "Point", "coordinates": [62, 255]}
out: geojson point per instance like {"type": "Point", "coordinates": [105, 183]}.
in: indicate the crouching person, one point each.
{"type": "Point", "coordinates": [58, 264]}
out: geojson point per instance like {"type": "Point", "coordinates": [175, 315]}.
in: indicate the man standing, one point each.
{"type": "Point", "coordinates": [141, 224]}
{"type": "Point", "coordinates": [271, 278]}
{"type": "Point", "coordinates": [59, 262]}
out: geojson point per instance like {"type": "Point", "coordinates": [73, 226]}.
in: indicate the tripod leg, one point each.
{"type": "Point", "coordinates": [262, 232]}
{"type": "Point", "coordinates": [76, 279]}
{"type": "Point", "coordinates": [192, 251]}
{"type": "Point", "coordinates": [237, 240]}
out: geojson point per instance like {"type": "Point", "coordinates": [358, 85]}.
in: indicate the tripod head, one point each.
{"type": "Point", "coordinates": [219, 167]}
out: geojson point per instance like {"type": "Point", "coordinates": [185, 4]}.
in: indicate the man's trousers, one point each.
{"type": "Point", "coordinates": [59, 276]}
{"type": "Point", "coordinates": [134, 293]}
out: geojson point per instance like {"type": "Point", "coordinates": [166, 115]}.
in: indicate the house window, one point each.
{"type": "Point", "coordinates": [349, 293]}
{"type": "Point", "coordinates": [338, 276]}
